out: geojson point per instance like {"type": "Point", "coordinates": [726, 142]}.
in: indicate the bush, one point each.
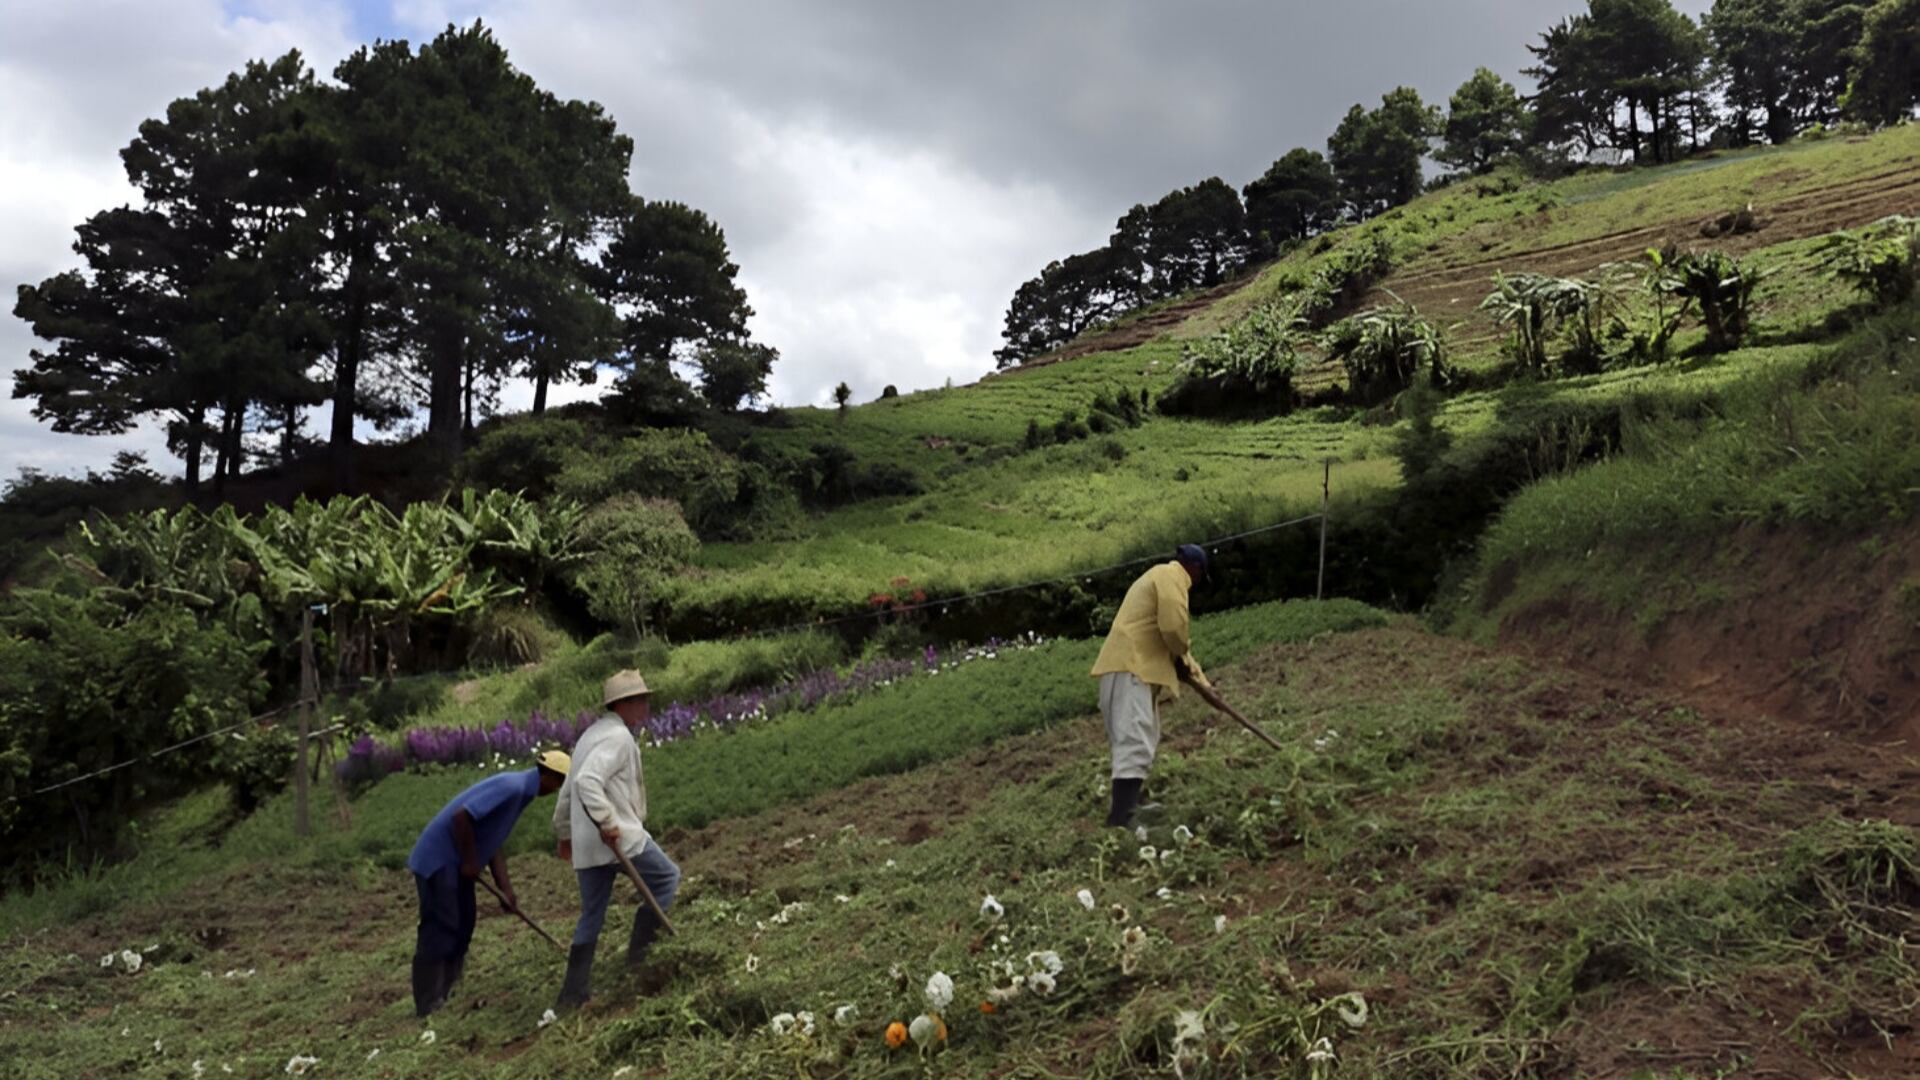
{"type": "Point", "coordinates": [387, 705]}
{"type": "Point", "coordinates": [511, 636]}
{"type": "Point", "coordinates": [527, 454]}
{"type": "Point", "coordinates": [1246, 369]}
{"type": "Point", "coordinates": [1881, 260]}
{"type": "Point", "coordinates": [678, 464]}
{"type": "Point", "coordinates": [1383, 349]}
{"type": "Point", "coordinates": [1722, 288]}
{"type": "Point", "coordinates": [635, 543]}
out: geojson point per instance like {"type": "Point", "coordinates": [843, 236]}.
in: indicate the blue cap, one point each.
{"type": "Point", "coordinates": [1194, 556]}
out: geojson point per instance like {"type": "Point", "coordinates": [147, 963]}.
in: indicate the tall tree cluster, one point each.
{"type": "Point", "coordinates": [1632, 78]}
{"type": "Point", "coordinates": [397, 241]}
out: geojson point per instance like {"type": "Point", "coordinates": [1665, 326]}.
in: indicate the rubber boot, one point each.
{"type": "Point", "coordinates": [1126, 796]}
{"type": "Point", "coordinates": [641, 939]}
{"type": "Point", "coordinates": [429, 991]}
{"type": "Point", "coordinates": [1146, 811]}
{"type": "Point", "coordinates": [578, 985]}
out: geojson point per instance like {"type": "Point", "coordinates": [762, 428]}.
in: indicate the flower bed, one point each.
{"type": "Point", "coordinates": [510, 744]}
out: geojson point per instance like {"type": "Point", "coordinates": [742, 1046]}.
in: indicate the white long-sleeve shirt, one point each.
{"type": "Point", "coordinates": [605, 784]}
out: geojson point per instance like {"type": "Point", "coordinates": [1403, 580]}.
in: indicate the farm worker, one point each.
{"type": "Point", "coordinates": [604, 803]}
{"type": "Point", "coordinates": [1147, 655]}
{"type": "Point", "coordinates": [467, 833]}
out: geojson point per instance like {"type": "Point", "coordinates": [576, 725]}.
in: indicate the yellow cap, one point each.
{"type": "Point", "coordinates": [555, 761]}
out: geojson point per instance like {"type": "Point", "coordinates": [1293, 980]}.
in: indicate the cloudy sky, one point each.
{"type": "Point", "coordinates": [887, 172]}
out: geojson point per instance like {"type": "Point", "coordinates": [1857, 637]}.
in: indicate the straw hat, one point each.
{"type": "Point", "coordinates": [555, 761]}
{"type": "Point", "coordinates": [622, 685]}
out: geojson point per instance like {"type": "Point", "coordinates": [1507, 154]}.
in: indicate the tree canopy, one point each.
{"type": "Point", "coordinates": [1295, 198]}
{"type": "Point", "coordinates": [1486, 121]}
{"type": "Point", "coordinates": [1376, 153]}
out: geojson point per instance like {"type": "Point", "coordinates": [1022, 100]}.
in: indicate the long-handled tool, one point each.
{"type": "Point", "coordinates": [641, 884]}
{"type": "Point", "coordinates": [515, 908]}
{"type": "Point", "coordinates": [1212, 697]}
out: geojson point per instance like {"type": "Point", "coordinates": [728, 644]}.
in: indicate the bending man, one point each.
{"type": "Point", "coordinates": [1147, 655]}
{"type": "Point", "coordinates": [467, 833]}
{"type": "Point", "coordinates": [604, 803]}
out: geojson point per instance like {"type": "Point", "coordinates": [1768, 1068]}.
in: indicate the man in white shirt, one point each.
{"type": "Point", "coordinates": [603, 803]}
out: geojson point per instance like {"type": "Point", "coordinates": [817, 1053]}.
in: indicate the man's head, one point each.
{"type": "Point", "coordinates": [625, 695]}
{"type": "Point", "coordinates": [1194, 558]}
{"type": "Point", "coordinates": [553, 766]}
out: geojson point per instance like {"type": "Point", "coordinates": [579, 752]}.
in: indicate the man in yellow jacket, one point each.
{"type": "Point", "coordinates": [1148, 654]}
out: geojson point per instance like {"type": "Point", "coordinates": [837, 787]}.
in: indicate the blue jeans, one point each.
{"type": "Point", "coordinates": [596, 890]}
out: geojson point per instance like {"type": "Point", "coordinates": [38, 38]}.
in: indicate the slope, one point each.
{"type": "Point", "coordinates": [1522, 871]}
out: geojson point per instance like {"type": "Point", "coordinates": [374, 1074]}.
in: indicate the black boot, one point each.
{"type": "Point", "coordinates": [578, 985]}
{"type": "Point", "coordinates": [429, 985]}
{"type": "Point", "coordinates": [1126, 796]}
{"type": "Point", "coordinates": [450, 975]}
{"type": "Point", "coordinates": [641, 939]}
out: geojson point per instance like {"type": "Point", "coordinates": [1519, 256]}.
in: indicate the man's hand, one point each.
{"type": "Point", "coordinates": [565, 850]}
{"type": "Point", "coordinates": [509, 903]}
{"type": "Point", "coordinates": [610, 833]}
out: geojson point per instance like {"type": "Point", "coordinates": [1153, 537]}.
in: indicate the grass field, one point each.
{"type": "Point", "coordinates": [1520, 871]}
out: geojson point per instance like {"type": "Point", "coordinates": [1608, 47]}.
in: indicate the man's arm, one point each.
{"type": "Point", "coordinates": [499, 867]}
{"type": "Point", "coordinates": [591, 786]}
{"type": "Point", "coordinates": [464, 845]}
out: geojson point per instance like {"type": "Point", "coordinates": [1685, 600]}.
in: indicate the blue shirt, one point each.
{"type": "Point", "coordinates": [494, 804]}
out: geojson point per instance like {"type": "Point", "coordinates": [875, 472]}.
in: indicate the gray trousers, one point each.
{"type": "Point", "coordinates": [1133, 724]}
{"type": "Point", "coordinates": [596, 891]}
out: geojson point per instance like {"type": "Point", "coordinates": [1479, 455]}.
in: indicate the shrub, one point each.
{"type": "Point", "coordinates": [1344, 279]}
{"type": "Point", "coordinates": [1421, 444]}
{"type": "Point", "coordinates": [527, 455]}
{"type": "Point", "coordinates": [678, 464]}
{"type": "Point", "coordinates": [635, 543]}
{"type": "Point", "coordinates": [1383, 349]}
{"type": "Point", "coordinates": [889, 391]}
{"type": "Point", "coordinates": [511, 636]}
{"type": "Point", "coordinates": [1538, 307]}
{"type": "Point", "coordinates": [1247, 368]}
{"type": "Point", "coordinates": [1881, 260]}
{"type": "Point", "coordinates": [1722, 288]}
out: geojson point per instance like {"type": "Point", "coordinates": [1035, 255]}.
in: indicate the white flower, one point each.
{"type": "Point", "coordinates": [891, 864]}
{"type": "Point", "coordinates": [1166, 856]}
{"type": "Point", "coordinates": [1129, 962]}
{"type": "Point", "coordinates": [199, 1067]}
{"type": "Point", "coordinates": [547, 1017]}
{"type": "Point", "coordinates": [298, 1064]}
{"type": "Point", "coordinates": [845, 1015]}
{"type": "Point", "coordinates": [125, 1031]}
{"type": "Point", "coordinates": [427, 1037]}
{"type": "Point", "coordinates": [150, 948]}
{"type": "Point", "coordinates": [1140, 833]}
{"type": "Point", "coordinates": [939, 991]}
{"type": "Point", "coordinates": [787, 913]}
{"type": "Point", "coordinates": [805, 1020]}
{"type": "Point", "coordinates": [1188, 1027]}
{"type": "Point", "coordinates": [1045, 959]}
{"type": "Point", "coordinates": [753, 963]}
{"type": "Point", "coordinates": [622, 1071]}
{"type": "Point", "coordinates": [1352, 1008]}
{"type": "Point", "coordinates": [107, 960]}
{"type": "Point", "coordinates": [373, 1053]}
{"type": "Point", "coordinates": [842, 898]}
{"type": "Point", "coordinates": [1133, 938]}
{"type": "Point", "coordinates": [1322, 1051]}
{"type": "Point", "coordinates": [991, 908]}
{"type": "Point", "coordinates": [1040, 983]}
{"type": "Point", "coordinates": [1117, 913]}
{"type": "Point", "coordinates": [1219, 924]}
{"type": "Point", "coordinates": [924, 1030]}
{"type": "Point", "coordinates": [1085, 896]}
{"type": "Point", "coordinates": [1164, 893]}
{"type": "Point", "coordinates": [1182, 835]}
{"type": "Point", "coordinates": [1147, 854]}
{"type": "Point", "coordinates": [782, 1024]}
{"type": "Point", "coordinates": [131, 959]}
{"type": "Point", "coordinates": [156, 1046]}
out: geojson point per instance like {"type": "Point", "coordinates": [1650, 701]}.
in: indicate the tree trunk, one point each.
{"type": "Point", "coordinates": [346, 374]}
{"type": "Point", "coordinates": [466, 398]}
{"type": "Point", "coordinates": [221, 448]}
{"type": "Point", "coordinates": [196, 419]}
{"type": "Point", "coordinates": [236, 452]}
{"type": "Point", "coordinates": [443, 398]}
{"type": "Point", "coordinates": [539, 381]}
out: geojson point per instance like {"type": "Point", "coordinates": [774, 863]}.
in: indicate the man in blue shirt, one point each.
{"type": "Point", "coordinates": [468, 832]}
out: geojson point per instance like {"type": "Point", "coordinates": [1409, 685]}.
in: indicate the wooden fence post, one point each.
{"type": "Point", "coordinates": [1326, 483]}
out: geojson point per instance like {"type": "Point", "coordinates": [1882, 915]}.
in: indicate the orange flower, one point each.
{"type": "Point", "coordinates": [896, 1035]}
{"type": "Point", "coordinates": [989, 1008]}
{"type": "Point", "coordinates": [939, 1029]}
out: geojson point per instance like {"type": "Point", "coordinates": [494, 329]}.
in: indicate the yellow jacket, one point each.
{"type": "Point", "coordinates": [1150, 630]}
